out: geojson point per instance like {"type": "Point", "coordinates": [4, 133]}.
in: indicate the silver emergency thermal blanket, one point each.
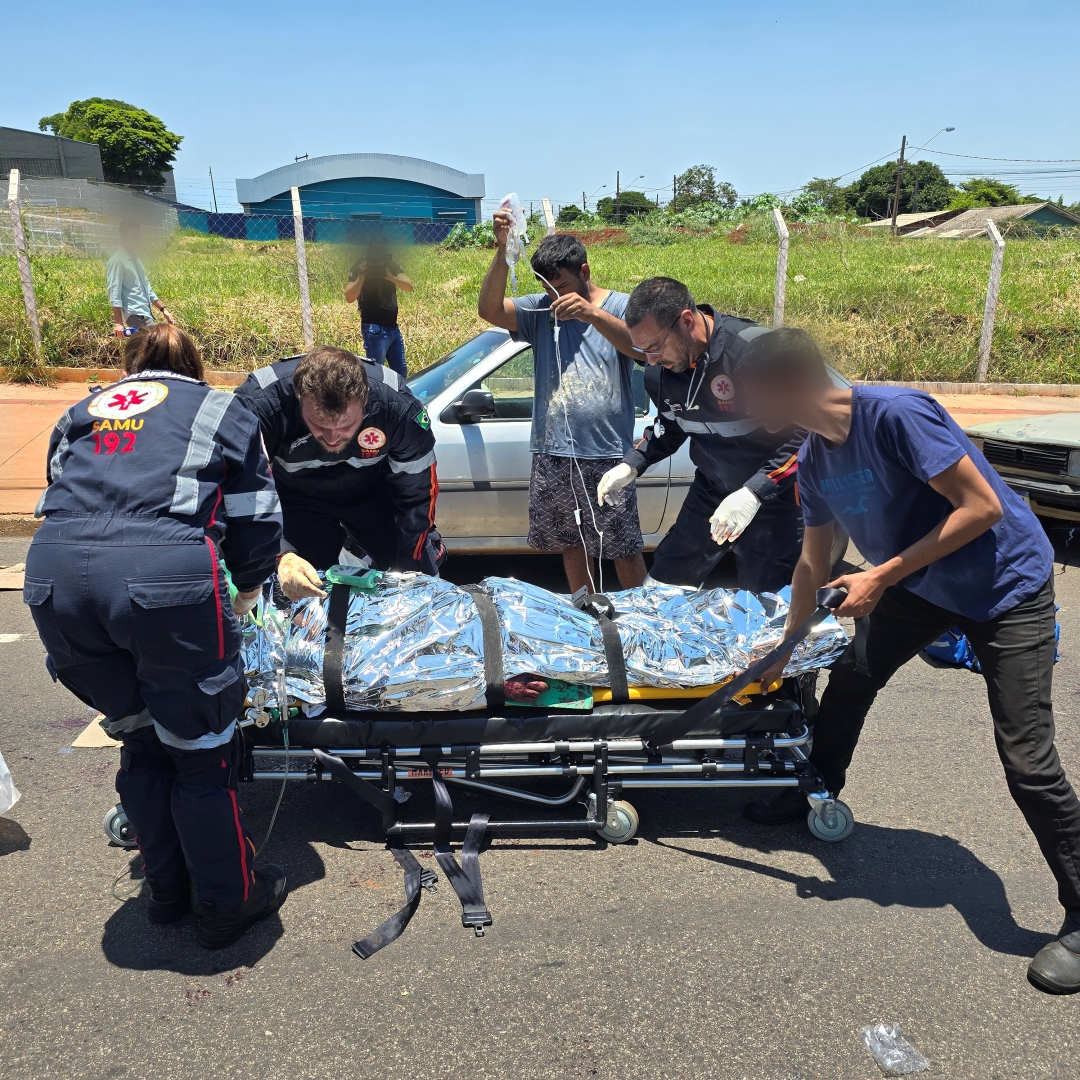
{"type": "Point", "coordinates": [416, 645]}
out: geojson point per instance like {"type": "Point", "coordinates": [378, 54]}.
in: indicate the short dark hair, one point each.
{"type": "Point", "coordinates": [129, 225]}
{"type": "Point", "coordinates": [560, 251]}
{"type": "Point", "coordinates": [662, 297]}
{"type": "Point", "coordinates": [162, 347]}
{"type": "Point", "coordinates": [331, 379]}
{"type": "Point", "coordinates": [783, 353]}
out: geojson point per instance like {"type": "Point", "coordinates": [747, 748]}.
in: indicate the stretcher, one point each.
{"type": "Point", "coordinates": [572, 768]}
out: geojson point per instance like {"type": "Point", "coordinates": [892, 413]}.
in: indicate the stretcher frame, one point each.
{"type": "Point", "coordinates": [755, 745]}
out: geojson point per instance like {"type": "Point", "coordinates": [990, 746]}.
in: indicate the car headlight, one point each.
{"type": "Point", "coordinates": [1074, 462]}
{"type": "Point", "coordinates": [976, 442]}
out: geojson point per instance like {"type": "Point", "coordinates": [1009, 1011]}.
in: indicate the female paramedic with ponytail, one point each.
{"type": "Point", "coordinates": [950, 545]}
{"type": "Point", "coordinates": [152, 482]}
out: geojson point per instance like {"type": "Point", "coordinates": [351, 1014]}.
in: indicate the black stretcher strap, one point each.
{"type": "Point", "coordinates": [701, 712]}
{"type": "Point", "coordinates": [465, 879]}
{"type": "Point", "coordinates": [495, 692]}
{"type": "Point", "coordinates": [336, 616]}
{"type": "Point", "coordinates": [394, 927]}
{"type": "Point", "coordinates": [381, 800]}
{"type": "Point", "coordinates": [602, 610]}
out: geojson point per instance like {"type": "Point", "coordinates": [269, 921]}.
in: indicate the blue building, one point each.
{"type": "Point", "coordinates": [367, 187]}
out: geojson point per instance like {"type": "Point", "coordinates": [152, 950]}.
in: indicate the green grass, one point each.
{"type": "Point", "coordinates": [883, 308]}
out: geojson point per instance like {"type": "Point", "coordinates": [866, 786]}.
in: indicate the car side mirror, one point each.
{"type": "Point", "coordinates": [475, 405]}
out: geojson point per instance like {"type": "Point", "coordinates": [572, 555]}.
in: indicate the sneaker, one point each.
{"type": "Point", "coordinates": [168, 905]}
{"type": "Point", "coordinates": [217, 930]}
{"type": "Point", "coordinates": [788, 805]}
{"type": "Point", "coordinates": [1056, 967]}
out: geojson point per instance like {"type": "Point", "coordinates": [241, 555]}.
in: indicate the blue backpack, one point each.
{"type": "Point", "coordinates": [953, 649]}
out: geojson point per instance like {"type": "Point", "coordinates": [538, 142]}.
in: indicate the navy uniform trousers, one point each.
{"type": "Point", "coordinates": [134, 622]}
{"type": "Point", "coordinates": [765, 554]}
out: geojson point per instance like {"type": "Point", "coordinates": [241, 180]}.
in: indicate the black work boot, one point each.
{"type": "Point", "coordinates": [787, 806]}
{"type": "Point", "coordinates": [220, 929]}
{"type": "Point", "coordinates": [168, 904]}
{"type": "Point", "coordinates": [1056, 967]}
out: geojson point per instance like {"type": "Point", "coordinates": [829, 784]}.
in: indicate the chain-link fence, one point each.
{"type": "Point", "coordinates": [886, 307]}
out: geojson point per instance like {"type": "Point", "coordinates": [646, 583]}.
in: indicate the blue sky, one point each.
{"type": "Point", "coordinates": [552, 99]}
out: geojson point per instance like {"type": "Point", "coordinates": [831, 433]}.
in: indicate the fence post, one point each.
{"type": "Point", "coordinates": [986, 339]}
{"type": "Point", "coordinates": [780, 292]}
{"type": "Point", "coordinates": [301, 268]}
{"type": "Point", "coordinates": [549, 217]}
{"type": "Point", "coordinates": [29, 301]}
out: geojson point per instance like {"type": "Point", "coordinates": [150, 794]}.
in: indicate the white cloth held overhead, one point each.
{"type": "Point", "coordinates": [733, 515]}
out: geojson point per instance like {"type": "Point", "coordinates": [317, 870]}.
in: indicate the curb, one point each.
{"type": "Point", "coordinates": [1003, 389]}
{"type": "Point", "coordinates": [110, 375]}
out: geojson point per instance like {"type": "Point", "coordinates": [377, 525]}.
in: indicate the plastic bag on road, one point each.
{"type": "Point", "coordinates": [9, 793]}
{"type": "Point", "coordinates": [893, 1053]}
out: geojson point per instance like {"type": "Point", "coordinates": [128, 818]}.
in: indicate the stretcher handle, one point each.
{"type": "Point", "coordinates": [830, 598]}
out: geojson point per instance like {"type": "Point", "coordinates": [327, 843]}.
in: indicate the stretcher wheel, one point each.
{"type": "Point", "coordinates": [118, 829]}
{"type": "Point", "coordinates": [845, 823]}
{"type": "Point", "coordinates": [628, 822]}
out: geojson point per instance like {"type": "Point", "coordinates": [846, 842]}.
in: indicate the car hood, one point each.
{"type": "Point", "coordinates": [1061, 429]}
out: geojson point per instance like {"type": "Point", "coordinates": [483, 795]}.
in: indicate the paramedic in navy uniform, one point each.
{"type": "Point", "coordinates": [353, 456]}
{"type": "Point", "coordinates": [950, 545]}
{"type": "Point", "coordinates": [743, 494]}
{"type": "Point", "coordinates": [152, 483]}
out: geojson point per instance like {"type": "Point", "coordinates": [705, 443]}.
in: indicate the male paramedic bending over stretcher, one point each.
{"type": "Point", "coordinates": [951, 546]}
{"type": "Point", "coordinates": [353, 458]}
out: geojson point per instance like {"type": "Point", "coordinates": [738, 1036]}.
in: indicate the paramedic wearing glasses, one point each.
{"type": "Point", "coordinates": [153, 483]}
{"type": "Point", "coordinates": [951, 546]}
{"type": "Point", "coordinates": [743, 494]}
{"type": "Point", "coordinates": [353, 458]}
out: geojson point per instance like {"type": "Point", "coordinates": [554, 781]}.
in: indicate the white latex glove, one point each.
{"type": "Point", "coordinates": [614, 480]}
{"type": "Point", "coordinates": [298, 578]}
{"type": "Point", "coordinates": [733, 515]}
{"type": "Point", "coordinates": [244, 602]}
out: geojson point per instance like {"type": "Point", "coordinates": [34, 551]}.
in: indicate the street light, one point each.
{"type": "Point", "coordinates": [915, 194]}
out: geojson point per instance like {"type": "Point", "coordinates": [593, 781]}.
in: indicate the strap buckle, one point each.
{"type": "Point", "coordinates": [429, 881]}
{"type": "Point", "coordinates": [475, 917]}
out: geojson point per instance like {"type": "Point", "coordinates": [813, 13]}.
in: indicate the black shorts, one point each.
{"type": "Point", "coordinates": [765, 554]}
{"type": "Point", "coordinates": [558, 487]}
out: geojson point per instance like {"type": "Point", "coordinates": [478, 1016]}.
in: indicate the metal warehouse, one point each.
{"type": "Point", "coordinates": [349, 193]}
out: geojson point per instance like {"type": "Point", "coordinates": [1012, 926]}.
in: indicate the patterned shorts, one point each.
{"type": "Point", "coordinates": [551, 508]}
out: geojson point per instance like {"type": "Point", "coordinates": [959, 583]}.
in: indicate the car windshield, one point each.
{"type": "Point", "coordinates": [433, 380]}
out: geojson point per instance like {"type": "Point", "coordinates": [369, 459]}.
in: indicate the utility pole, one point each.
{"type": "Point", "coordinates": [675, 194]}
{"type": "Point", "coordinates": [584, 207]}
{"type": "Point", "coordinates": [616, 198]}
{"type": "Point", "coordinates": [899, 176]}
{"type": "Point", "coordinates": [212, 189]}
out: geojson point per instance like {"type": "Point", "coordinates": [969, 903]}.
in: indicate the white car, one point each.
{"type": "Point", "coordinates": [480, 400]}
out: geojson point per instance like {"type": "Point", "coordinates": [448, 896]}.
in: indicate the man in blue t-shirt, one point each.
{"type": "Point", "coordinates": [950, 545]}
{"type": "Point", "coordinates": [583, 405]}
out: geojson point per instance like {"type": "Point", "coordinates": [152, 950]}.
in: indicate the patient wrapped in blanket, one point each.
{"type": "Point", "coordinates": [415, 643]}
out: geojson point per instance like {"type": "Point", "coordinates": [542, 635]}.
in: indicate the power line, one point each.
{"type": "Point", "coordinates": [977, 157]}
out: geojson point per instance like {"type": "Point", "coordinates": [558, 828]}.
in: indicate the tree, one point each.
{"type": "Point", "coordinates": [985, 191]}
{"type": "Point", "coordinates": [822, 194]}
{"type": "Point", "coordinates": [568, 214]}
{"type": "Point", "coordinates": [630, 204]}
{"type": "Point", "coordinates": [136, 147]}
{"type": "Point", "coordinates": [699, 185]}
{"type": "Point", "coordinates": [923, 187]}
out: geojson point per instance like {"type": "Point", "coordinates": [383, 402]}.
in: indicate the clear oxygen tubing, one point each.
{"type": "Point", "coordinates": [573, 456]}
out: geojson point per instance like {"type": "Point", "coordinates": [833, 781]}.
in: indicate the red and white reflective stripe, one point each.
{"type": "Point", "coordinates": [217, 600]}
{"type": "Point", "coordinates": [433, 494]}
{"type": "Point", "coordinates": [241, 840]}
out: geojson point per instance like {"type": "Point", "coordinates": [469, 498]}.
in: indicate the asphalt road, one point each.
{"type": "Point", "coordinates": [707, 947]}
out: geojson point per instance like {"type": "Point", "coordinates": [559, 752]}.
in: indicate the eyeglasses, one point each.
{"type": "Point", "coordinates": [659, 348]}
